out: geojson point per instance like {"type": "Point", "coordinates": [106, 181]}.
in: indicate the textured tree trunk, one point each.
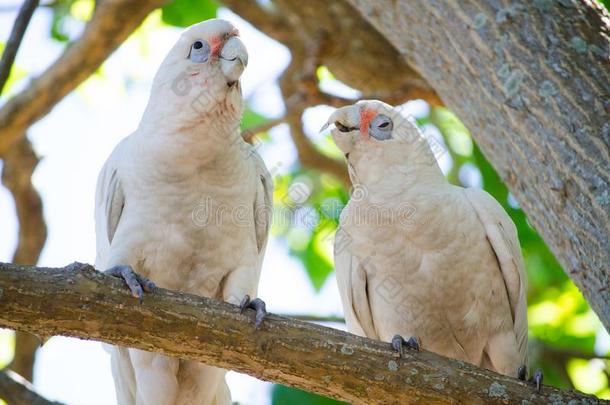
{"type": "Point", "coordinates": [79, 301]}
{"type": "Point", "coordinates": [531, 80]}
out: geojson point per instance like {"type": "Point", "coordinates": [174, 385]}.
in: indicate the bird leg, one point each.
{"type": "Point", "coordinates": [535, 379]}
{"type": "Point", "coordinates": [256, 304]}
{"type": "Point", "coordinates": [398, 342]}
{"type": "Point", "coordinates": [136, 282]}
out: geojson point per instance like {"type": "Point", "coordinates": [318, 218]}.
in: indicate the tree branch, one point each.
{"type": "Point", "coordinates": [19, 165]}
{"type": "Point", "coordinates": [249, 133]}
{"type": "Point", "coordinates": [17, 172]}
{"type": "Point", "coordinates": [112, 22]}
{"type": "Point", "coordinates": [81, 302]}
{"type": "Point", "coordinates": [356, 54]}
{"type": "Point", "coordinates": [17, 391]}
{"type": "Point", "coordinates": [298, 84]}
{"type": "Point", "coordinates": [316, 318]}
{"type": "Point", "coordinates": [14, 40]}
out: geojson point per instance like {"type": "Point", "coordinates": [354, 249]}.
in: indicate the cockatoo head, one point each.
{"type": "Point", "coordinates": [200, 75]}
{"type": "Point", "coordinates": [377, 140]}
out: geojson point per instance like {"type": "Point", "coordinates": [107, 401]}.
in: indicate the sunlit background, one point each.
{"type": "Point", "coordinates": [566, 339]}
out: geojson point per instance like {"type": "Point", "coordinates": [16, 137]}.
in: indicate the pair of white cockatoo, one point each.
{"type": "Point", "coordinates": [415, 256]}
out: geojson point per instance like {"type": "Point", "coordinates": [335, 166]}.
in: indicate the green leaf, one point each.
{"type": "Point", "coordinates": [606, 3]}
{"type": "Point", "coordinates": [252, 119]}
{"type": "Point", "coordinates": [311, 245]}
{"type": "Point", "coordinates": [282, 395]}
{"type": "Point", "coordinates": [7, 347]}
{"type": "Point", "coordinates": [315, 261]}
{"type": "Point", "coordinates": [57, 24]}
{"type": "Point", "coordinates": [183, 13]}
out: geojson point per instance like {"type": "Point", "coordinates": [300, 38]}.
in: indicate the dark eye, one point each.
{"type": "Point", "coordinates": [381, 127]}
{"type": "Point", "coordinates": [341, 127]}
{"type": "Point", "coordinates": [200, 51]}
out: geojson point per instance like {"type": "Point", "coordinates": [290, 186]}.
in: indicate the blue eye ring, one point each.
{"type": "Point", "coordinates": [381, 127]}
{"type": "Point", "coordinates": [200, 51]}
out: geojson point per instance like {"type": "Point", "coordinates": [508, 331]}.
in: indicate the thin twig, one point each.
{"type": "Point", "coordinates": [316, 318]}
{"type": "Point", "coordinates": [14, 40]}
{"type": "Point", "coordinates": [249, 133]}
{"type": "Point", "coordinates": [17, 391]}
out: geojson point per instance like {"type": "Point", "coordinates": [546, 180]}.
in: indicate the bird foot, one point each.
{"type": "Point", "coordinates": [137, 283]}
{"type": "Point", "coordinates": [398, 342]}
{"type": "Point", "coordinates": [536, 379]}
{"type": "Point", "coordinates": [256, 304]}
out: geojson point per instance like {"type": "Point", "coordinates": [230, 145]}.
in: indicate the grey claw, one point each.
{"type": "Point", "coordinates": [258, 305]}
{"type": "Point", "coordinates": [398, 342]}
{"type": "Point", "coordinates": [244, 303]}
{"type": "Point", "coordinates": [414, 343]}
{"type": "Point", "coordinates": [538, 376]}
{"type": "Point", "coordinates": [137, 283]}
{"type": "Point", "coordinates": [146, 283]}
{"type": "Point", "coordinates": [522, 372]}
{"type": "Point", "coordinates": [535, 379]}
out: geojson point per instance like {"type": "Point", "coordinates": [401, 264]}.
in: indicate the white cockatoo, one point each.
{"type": "Point", "coordinates": [185, 202]}
{"type": "Point", "coordinates": [418, 257]}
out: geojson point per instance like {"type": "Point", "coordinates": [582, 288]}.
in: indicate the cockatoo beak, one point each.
{"type": "Point", "coordinates": [233, 59]}
{"type": "Point", "coordinates": [325, 127]}
{"type": "Point", "coordinates": [338, 115]}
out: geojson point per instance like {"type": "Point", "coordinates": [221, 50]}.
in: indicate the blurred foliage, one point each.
{"type": "Point", "coordinates": [7, 343]}
{"type": "Point", "coordinates": [282, 395]}
{"type": "Point", "coordinates": [69, 17]}
{"type": "Point", "coordinates": [183, 13]}
{"type": "Point", "coordinates": [308, 205]}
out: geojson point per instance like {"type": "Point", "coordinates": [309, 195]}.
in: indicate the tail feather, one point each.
{"type": "Point", "coordinates": [124, 376]}
{"type": "Point", "coordinates": [223, 395]}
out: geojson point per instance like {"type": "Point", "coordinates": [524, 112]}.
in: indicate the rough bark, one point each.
{"type": "Point", "coordinates": [531, 80]}
{"type": "Point", "coordinates": [112, 22]}
{"type": "Point", "coordinates": [16, 391]}
{"type": "Point", "coordinates": [81, 302]}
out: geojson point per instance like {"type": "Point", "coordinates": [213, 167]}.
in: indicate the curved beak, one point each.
{"type": "Point", "coordinates": [348, 119]}
{"type": "Point", "coordinates": [347, 116]}
{"type": "Point", "coordinates": [233, 59]}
